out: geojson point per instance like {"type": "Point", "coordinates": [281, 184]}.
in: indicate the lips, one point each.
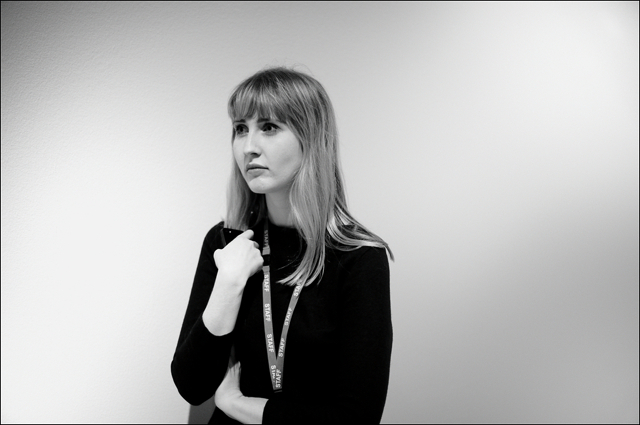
{"type": "Point", "coordinates": [255, 167]}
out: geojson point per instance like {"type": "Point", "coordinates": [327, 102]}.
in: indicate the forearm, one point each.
{"type": "Point", "coordinates": [221, 313]}
{"type": "Point", "coordinates": [199, 363]}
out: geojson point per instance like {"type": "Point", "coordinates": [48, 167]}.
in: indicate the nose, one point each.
{"type": "Point", "coordinates": [251, 143]}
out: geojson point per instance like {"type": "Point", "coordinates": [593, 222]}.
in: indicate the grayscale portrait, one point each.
{"type": "Point", "coordinates": [320, 212]}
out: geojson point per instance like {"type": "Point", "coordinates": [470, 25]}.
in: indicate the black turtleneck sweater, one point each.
{"type": "Point", "coordinates": [338, 349]}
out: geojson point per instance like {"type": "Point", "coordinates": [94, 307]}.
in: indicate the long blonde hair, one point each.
{"type": "Point", "coordinates": [317, 195]}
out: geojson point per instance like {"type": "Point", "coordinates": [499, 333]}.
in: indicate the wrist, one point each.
{"type": "Point", "coordinates": [233, 282]}
{"type": "Point", "coordinates": [229, 401]}
{"type": "Point", "coordinates": [247, 410]}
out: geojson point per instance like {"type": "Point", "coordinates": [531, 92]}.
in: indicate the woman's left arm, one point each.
{"type": "Point", "coordinates": [359, 386]}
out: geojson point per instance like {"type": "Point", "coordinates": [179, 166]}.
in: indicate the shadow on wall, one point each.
{"type": "Point", "coordinates": [201, 414]}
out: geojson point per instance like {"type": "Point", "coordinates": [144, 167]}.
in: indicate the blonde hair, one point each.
{"type": "Point", "coordinates": [317, 196]}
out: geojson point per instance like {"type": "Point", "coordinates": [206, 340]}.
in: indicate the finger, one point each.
{"type": "Point", "coordinates": [247, 234]}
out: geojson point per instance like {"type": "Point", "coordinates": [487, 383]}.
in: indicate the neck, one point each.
{"type": "Point", "coordinates": [279, 209]}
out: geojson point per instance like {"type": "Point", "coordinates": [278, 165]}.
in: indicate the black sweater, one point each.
{"type": "Point", "coordinates": [339, 344]}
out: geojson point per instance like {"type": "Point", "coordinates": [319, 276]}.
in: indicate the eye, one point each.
{"type": "Point", "coordinates": [240, 129]}
{"type": "Point", "coordinates": [270, 128]}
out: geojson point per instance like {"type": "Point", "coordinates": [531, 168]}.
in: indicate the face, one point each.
{"type": "Point", "coordinates": [267, 153]}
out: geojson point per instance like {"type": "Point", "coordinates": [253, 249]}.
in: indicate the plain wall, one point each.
{"type": "Point", "coordinates": [493, 145]}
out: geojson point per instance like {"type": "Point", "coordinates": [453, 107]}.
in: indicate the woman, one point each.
{"type": "Point", "coordinates": [304, 280]}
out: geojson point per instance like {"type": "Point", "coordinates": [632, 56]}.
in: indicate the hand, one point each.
{"type": "Point", "coordinates": [229, 388]}
{"type": "Point", "coordinates": [240, 259]}
{"type": "Point", "coordinates": [229, 398]}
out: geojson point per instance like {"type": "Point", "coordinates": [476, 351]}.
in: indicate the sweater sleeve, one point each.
{"type": "Point", "coordinates": [365, 340]}
{"type": "Point", "coordinates": [201, 358]}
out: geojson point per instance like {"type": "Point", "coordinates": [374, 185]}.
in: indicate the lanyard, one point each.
{"type": "Point", "coordinates": [276, 364]}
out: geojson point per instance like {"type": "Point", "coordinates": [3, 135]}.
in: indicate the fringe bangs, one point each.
{"type": "Point", "coordinates": [261, 97]}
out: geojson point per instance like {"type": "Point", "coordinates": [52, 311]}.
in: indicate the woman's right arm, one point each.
{"type": "Point", "coordinates": [202, 354]}
{"type": "Point", "coordinates": [236, 263]}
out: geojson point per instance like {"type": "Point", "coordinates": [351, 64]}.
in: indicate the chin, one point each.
{"type": "Point", "coordinates": [257, 188]}
{"type": "Point", "coordinates": [263, 187]}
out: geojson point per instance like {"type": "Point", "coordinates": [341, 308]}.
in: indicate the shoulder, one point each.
{"type": "Point", "coordinates": [366, 253]}
{"type": "Point", "coordinates": [355, 260]}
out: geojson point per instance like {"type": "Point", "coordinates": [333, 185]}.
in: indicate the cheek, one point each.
{"type": "Point", "coordinates": [291, 154]}
{"type": "Point", "coordinates": [295, 160]}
